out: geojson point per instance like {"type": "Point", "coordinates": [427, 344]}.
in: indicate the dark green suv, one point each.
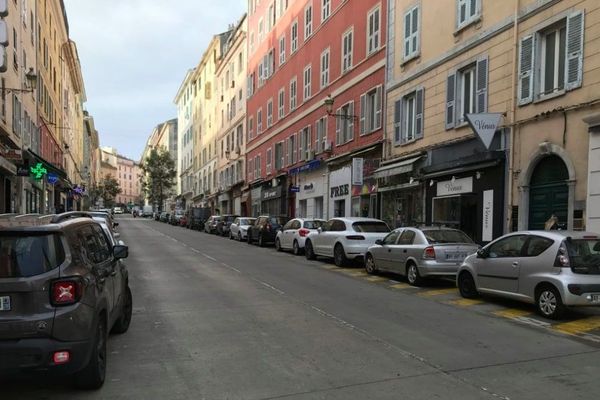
{"type": "Point", "coordinates": [62, 289]}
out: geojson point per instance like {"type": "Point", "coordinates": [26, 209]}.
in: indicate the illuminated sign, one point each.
{"type": "Point", "coordinates": [52, 178]}
{"type": "Point", "coordinates": [38, 171]}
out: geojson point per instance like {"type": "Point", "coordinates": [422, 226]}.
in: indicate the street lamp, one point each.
{"type": "Point", "coordinates": [328, 103]}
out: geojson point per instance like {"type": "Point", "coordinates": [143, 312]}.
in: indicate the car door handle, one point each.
{"type": "Point", "coordinates": [515, 264]}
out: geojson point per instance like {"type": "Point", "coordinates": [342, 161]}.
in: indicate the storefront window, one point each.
{"type": "Point", "coordinates": [339, 208]}
{"type": "Point", "coordinates": [402, 208]}
{"type": "Point", "coordinates": [446, 210]}
{"type": "Point", "coordinates": [361, 206]}
{"type": "Point", "coordinates": [303, 209]}
{"type": "Point", "coordinates": [318, 212]}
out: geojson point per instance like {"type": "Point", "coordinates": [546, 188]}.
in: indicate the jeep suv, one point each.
{"type": "Point", "coordinates": [62, 290]}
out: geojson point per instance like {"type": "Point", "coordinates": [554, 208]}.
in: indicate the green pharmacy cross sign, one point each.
{"type": "Point", "coordinates": [38, 171]}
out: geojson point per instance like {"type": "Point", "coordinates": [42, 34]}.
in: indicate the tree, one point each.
{"type": "Point", "coordinates": [107, 189]}
{"type": "Point", "coordinates": [158, 176]}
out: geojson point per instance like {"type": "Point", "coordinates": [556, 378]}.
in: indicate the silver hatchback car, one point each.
{"type": "Point", "coordinates": [551, 269]}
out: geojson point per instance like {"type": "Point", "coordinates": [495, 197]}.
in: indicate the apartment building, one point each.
{"type": "Point", "coordinates": [128, 176]}
{"type": "Point", "coordinates": [231, 144]}
{"type": "Point", "coordinates": [315, 101]}
{"type": "Point", "coordinates": [184, 100]}
{"type": "Point", "coordinates": [531, 63]}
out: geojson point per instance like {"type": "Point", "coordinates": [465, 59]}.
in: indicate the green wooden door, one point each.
{"type": "Point", "coordinates": [548, 193]}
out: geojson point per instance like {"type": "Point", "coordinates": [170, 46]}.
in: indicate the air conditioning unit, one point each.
{"type": "Point", "coordinates": [311, 155]}
{"type": "Point", "coordinates": [328, 147]}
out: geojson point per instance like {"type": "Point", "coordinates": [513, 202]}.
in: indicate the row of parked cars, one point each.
{"type": "Point", "coordinates": [551, 269]}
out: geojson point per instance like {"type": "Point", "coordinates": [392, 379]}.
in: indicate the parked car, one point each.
{"type": "Point", "coordinates": [183, 220]}
{"type": "Point", "coordinates": [146, 211]}
{"type": "Point", "coordinates": [551, 269]}
{"type": "Point", "coordinates": [62, 290]}
{"type": "Point", "coordinates": [293, 235]}
{"type": "Point", "coordinates": [164, 217]}
{"type": "Point", "coordinates": [176, 217]}
{"type": "Point", "coordinates": [239, 228]}
{"type": "Point", "coordinates": [420, 253]}
{"type": "Point", "coordinates": [118, 210]}
{"type": "Point", "coordinates": [224, 224]}
{"type": "Point", "coordinates": [264, 230]}
{"type": "Point", "coordinates": [197, 217]}
{"type": "Point", "coordinates": [210, 226]}
{"type": "Point", "coordinates": [345, 239]}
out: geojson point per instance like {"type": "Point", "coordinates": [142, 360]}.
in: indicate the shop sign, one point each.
{"type": "Point", "coordinates": [357, 171]}
{"type": "Point", "coordinates": [484, 125]}
{"type": "Point", "coordinates": [309, 187]}
{"type": "Point", "coordinates": [38, 171]}
{"type": "Point", "coordinates": [456, 186]}
{"type": "Point", "coordinates": [12, 154]}
{"type": "Point", "coordinates": [295, 189]}
{"type": "Point", "coordinates": [487, 232]}
{"type": "Point", "coordinates": [52, 178]}
{"type": "Point", "coordinates": [273, 193]}
{"type": "Point", "coordinates": [339, 191]}
{"type": "Point", "coordinates": [22, 170]}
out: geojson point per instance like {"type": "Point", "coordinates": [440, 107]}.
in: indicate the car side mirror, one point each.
{"type": "Point", "coordinates": [481, 253]}
{"type": "Point", "coordinates": [379, 242]}
{"type": "Point", "coordinates": [120, 251]}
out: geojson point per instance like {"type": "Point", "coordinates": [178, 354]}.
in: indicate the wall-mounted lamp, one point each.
{"type": "Point", "coordinates": [453, 179]}
{"type": "Point", "coordinates": [431, 183]}
{"type": "Point", "coordinates": [328, 103]}
{"type": "Point", "coordinates": [411, 180]}
{"type": "Point", "coordinates": [478, 175]}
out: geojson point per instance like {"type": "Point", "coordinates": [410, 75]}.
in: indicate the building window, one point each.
{"type": "Point", "coordinates": [268, 161]}
{"type": "Point", "coordinates": [250, 128]}
{"type": "Point", "coordinates": [281, 50]}
{"type": "Point", "coordinates": [271, 16]}
{"type": "Point", "coordinates": [293, 93]}
{"type": "Point", "coordinates": [305, 144]}
{"type": "Point", "coordinates": [292, 150]}
{"type": "Point", "coordinates": [373, 31]}
{"type": "Point", "coordinates": [278, 156]}
{"type": "Point", "coordinates": [308, 21]}
{"type": "Point", "coordinates": [370, 110]}
{"type": "Point", "coordinates": [468, 12]}
{"type": "Point", "coordinates": [307, 82]}
{"type": "Point", "coordinates": [325, 9]}
{"type": "Point", "coordinates": [281, 103]}
{"type": "Point", "coordinates": [466, 92]}
{"type": "Point", "coordinates": [347, 45]}
{"type": "Point", "coordinates": [321, 142]}
{"type": "Point", "coordinates": [294, 37]}
{"type": "Point", "coordinates": [408, 117]}
{"type": "Point", "coordinates": [344, 124]}
{"type": "Point", "coordinates": [261, 30]}
{"type": "Point", "coordinates": [259, 121]}
{"type": "Point", "coordinates": [269, 113]}
{"type": "Point", "coordinates": [411, 33]}
{"type": "Point", "coordinates": [325, 68]}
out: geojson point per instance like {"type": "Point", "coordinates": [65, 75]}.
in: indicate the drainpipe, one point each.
{"type": "Point", "coordinates": [511, 161]}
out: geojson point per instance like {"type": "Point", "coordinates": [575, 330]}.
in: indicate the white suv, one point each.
{"type": "Point", "coordinates": [345, 239]}
{"type": "Point", "coordinates": [294, 233]}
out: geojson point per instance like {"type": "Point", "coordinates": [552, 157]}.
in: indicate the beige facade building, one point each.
{"type": "Point", "coordinates": [128, 176]}
{"type": "Point", "coordinates": [533, 62]}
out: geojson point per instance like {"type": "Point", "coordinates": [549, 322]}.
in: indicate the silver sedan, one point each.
{"type": "Point", "coordinates": [420, 253]}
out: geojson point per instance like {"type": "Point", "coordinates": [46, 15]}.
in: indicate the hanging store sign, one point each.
{"type": "Point", "coordinates": [485, 126]}
{"type": "Point", "coordinates": [456, 186]}
{"type": "Point", "coordinates": [38, 171]}
{"type": "Point", "coordinates": [357, 171]}
{"type": "Point", "coordinates": [52, 178]}
{"type": "Point", "coordinates": [487, 231]}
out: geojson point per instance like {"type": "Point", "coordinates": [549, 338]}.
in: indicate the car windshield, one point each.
{"type": "Point", "coordinates": [313, 224]}
{"type": "Point", "coordinates": [29, 255]}
{"type": "Point", "coordinates": [442, 236]}
{"type": "Point", "coordinates": [370, 226]}
{"type": "Point", "coordinates": [584, 253]}
{"type": "Point", "coordinates": [246, 221]}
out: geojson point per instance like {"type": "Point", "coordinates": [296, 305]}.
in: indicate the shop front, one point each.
{"type": "Point", "coordinates": [467, 194]}
{"type": "Point", "coordinates": [311, 194]}
{"type": "Point", "coordinates": [224, 201]}
{"type": "Point", "coordinates": [340, 192]}
{"type": "Point", "coordinates": [7, 186]}
{"type": "Point", "coordinates": [255, 201]}
{"type": "Point", "coordinates": [364, 187]}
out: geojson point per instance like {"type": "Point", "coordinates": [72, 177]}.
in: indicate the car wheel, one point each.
{"type": "Point", "coordinates": [122, 324]}
{"type": "Point", "coordinates": [466, 286]}
{"type": "Point", "coordinates": [412, 275]}
{"type": "Point", "coordinates": [370, 265]}
{"type": "Point", "coordinates": [339, 257]}
{"type": "Point", "coordinates": [549, 302]}
{"type": "Point", "coordinates": [296, 248]}
{"type": "Point", "coordinates": [261, 241]}
{"type": "Point", "coordinates": [92, 376]}
{"type": "Point", "coordinates": [278, 245]}
{"type": "Point", "coordinates": [308, 251]}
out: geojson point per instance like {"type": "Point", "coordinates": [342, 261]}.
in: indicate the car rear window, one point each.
{"type": "Point", "coordinates": [313, 224]}
{"type": "Point", "coordinates": [584, 254]}
{"type": "Point", "coordinates": [278, 220]}
{"type": "Point", "coordinates": [446, 236]}
{"type": "Point", "coordinates": [370, 227]}
{"type": "Point", "coordinates": [29, 255]}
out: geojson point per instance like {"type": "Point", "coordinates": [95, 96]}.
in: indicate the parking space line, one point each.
{"type": "Point", "coordinates": [437, 292]}
{"type": "Point", "coordinates": [580, 326]}
{"type": "Point", "coordinates": [465, 302]}
{"type": "Point", "coordinates": [402, 286]}
{"type": "Point", "coordinates": [353, 273]}
{"type": "Point", "coordinates": [512, 313]}
{"type": "Point", "coordinates": [376, 279]}
{"type": "Point", "coordinates": [330, 267]}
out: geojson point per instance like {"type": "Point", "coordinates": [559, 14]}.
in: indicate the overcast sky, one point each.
{"type": "Point", "coordinates": [134, 55]}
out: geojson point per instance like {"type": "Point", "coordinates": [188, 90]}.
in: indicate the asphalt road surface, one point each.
{"type": "Point", "coordinates": [218, 319]}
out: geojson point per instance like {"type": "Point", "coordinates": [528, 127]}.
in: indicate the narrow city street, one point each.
{"type": "Point", "coordinates": [217, 319]}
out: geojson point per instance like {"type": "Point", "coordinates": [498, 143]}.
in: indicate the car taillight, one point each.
{"type": "Point", "coordinates": [429, 253]}
{"type": "Point", "coordinates": [65, 292]}
{"type": "Point", "coordinates": [303, 232]}
{"type": "Point", "coordinates": [562, 257]}
{"type": "Point", "coordinates": [355, 237]}
{"type": "Point", "coordinates": [61, 357]}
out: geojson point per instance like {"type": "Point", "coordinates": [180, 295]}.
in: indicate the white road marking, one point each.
{"type": "Point", "coordinates": [232, 268]}
{"type": "Point", "coordinates": [273, 288]}
{"type": "Point", "coordinates": [209, 257]}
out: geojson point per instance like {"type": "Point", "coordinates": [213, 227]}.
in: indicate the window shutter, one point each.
{"type": "Point", "coordinates": [363, 114]}
{"type": "Point", "coordinates": [338, 136]}
{"type": "Point", "coordinates": [294, 148]}
{"type": "Point", "coordinates": [451, 101]}
{"type": "Point", "coordinates": [574, 64]}
{"type": "Point", "coordinates": [419, 109]}
{"type": "Point", "coordinates": [351, 120]}
{"type": "Point", "coordinates": [482, 85]}
{"type": "Point", "coordinates": [378, 106]}
{"type": "Point", "coordinates": [526, 62]}
{"type": "Point", "coordinates": [407, 32]}
{"type": "Point", "coordinates": [397, 121]}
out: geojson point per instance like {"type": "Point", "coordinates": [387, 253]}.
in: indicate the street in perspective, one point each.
{"type": "Point", "coordinates": [300, 199]}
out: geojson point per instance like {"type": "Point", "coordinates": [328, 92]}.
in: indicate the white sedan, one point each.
{"type": "Point", "coordinates": [345, 239]}
{"type": "Point", "coordinates": [293, 235]}
{"type": "Point", "coordinates": [239, 228]}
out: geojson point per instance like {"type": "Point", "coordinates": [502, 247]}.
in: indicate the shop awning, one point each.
{"type": "Point", "coordinates": [398, 168]}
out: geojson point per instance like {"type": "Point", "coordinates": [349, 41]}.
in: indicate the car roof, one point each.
{"type": "Point", "coordinates": [357, 219]}
{"type": "Point", "coordinates": [560, 235]}
{"type": "Point", "coordinates": [47, 223]}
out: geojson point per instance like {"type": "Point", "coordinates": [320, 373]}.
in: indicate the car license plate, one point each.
{"type": "Point", "coordinates": [596, 298]}
{"type": "Point", "coordinates": [455, 256]}
{"type": "Point", "coordinates": [4, 303]}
